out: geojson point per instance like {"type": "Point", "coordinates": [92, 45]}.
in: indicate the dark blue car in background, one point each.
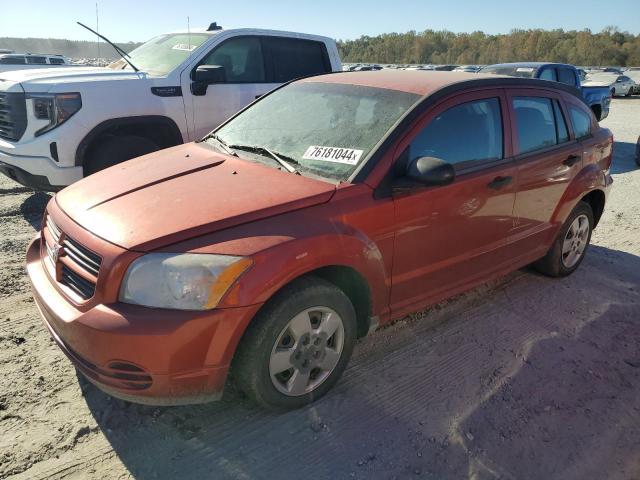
{"type": "Point", "coordinates": [598, 98]}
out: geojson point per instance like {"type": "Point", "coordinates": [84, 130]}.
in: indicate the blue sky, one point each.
{"type": "Point", "coordinates": [139, 20]}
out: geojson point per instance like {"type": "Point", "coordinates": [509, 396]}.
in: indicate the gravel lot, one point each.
{"type": "Point", "coordinates": [525, 378]}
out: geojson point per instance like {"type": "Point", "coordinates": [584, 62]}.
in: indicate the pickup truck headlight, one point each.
{"type": "Point", "coordinates": [57, 108]}
{"type": "Point", "coordinates": [181, 281]}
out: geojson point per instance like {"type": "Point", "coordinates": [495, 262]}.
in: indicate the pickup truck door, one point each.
{"type": "Point", "coordinates": [453, 236]}
{"type": "Point", "coordinates": [246, 79]}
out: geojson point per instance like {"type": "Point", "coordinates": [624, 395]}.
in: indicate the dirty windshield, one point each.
{"type": "Point", "coordinates": [162, 54]}
{"type": "Point", "coordinates": [326, 129]}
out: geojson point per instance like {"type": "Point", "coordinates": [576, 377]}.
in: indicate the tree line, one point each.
{"type": "Point", "coordinates": [607, 48]}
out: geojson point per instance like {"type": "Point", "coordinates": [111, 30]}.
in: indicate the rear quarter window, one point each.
{"type": "Point", "coordinates": [581, 122]}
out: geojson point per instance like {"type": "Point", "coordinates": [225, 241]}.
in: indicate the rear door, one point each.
{"type": "Point", "coordinates": [450, 237]}
{"type": "Point", "coordinates": [547, 157]}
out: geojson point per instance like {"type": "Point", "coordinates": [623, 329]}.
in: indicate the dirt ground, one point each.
{"type": "Point", "coordinates": [526, 378]}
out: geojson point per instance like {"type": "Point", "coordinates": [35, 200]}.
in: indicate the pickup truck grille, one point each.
{"type": "Point", "coordinates": [13, 115]}
{"type": "Point", "coordinates": [73, 265]}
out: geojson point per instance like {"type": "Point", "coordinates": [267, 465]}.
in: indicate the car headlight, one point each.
{"type": "Point", "coordinates": [181, 281]}
{"type": "Point", "coordinates": [57, 108]}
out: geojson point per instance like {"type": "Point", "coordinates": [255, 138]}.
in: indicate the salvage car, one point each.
{"type": "Point", "coordinates": [328, 208]}
{"type": "Point", "coordinates": [619, 85]}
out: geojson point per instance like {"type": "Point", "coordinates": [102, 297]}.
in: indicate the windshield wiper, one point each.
{"type": "Point", "coordinates": [281, 159]}
{"type": "Point", "coordinates": [117, 48]}
{"type": "Point", "coordinates": [224, 146]}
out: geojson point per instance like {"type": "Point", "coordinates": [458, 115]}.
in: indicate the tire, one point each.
{"type": "Point", "coordinates": [276, 353]}
{"type": "Point", "coordinates": [113, 149]}
{"type": "Point", "coordinates": [559, 262]}
{"type": "Point", "coordinates": [613, 92]}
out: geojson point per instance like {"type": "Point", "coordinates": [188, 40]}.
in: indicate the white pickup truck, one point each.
{"type": "Point", "coordinates": [58, 125]}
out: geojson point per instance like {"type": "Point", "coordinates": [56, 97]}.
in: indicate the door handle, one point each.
{"type": "Point", "coordinates": [571, 160]}
{"type": "Point", "coordinates": [499, 182]}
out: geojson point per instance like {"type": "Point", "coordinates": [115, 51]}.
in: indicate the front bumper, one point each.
{"type": "Point", "coordinates": [40, 173]}
{"type": "Point", "coordinates": [139, 354]}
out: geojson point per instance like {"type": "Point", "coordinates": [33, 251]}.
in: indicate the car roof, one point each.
{"type": "Point", "coordinates": [426, 83]}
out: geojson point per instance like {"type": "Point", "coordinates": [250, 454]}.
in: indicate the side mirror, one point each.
{"type": "Point", "coordinates": [206, 75]}
{"type": "Point", "coordinates": [424, 172]}
{"type": "Point", "coordinates": [430, 171]}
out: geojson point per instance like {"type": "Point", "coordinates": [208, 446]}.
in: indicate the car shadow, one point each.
{"type": "Point", "coordinates": [526, 378]}
{"type": "Point", "coordinates": [32, 208]}
{"type": "Point", "coordinates": [623, 157]}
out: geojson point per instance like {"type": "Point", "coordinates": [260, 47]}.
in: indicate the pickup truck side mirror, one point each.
{"type": "Point", "coordinates": [427, 172]}
{"type": "Point", "coordinates": [206, 75]}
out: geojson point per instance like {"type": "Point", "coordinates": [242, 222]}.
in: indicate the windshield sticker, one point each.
{"type": "Point", "coordinates": [524, 69]}
{"type": "Point", "coordinates": [184, 47]}
{"type": "Point", "coordinates": [349, 156]}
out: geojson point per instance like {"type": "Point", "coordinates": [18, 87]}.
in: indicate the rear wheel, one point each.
{"type": "Point", "coordinates": [298, 346]}
{"type": "Point", "coordinates": [114, 149]}
{"type": "Point", "coordinates": [570, 245]}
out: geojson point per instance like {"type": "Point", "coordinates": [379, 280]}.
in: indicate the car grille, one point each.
{"type": "Point", "coordinates": [74, 265]}
{"type": "Point", "coordinates": [13, 115]}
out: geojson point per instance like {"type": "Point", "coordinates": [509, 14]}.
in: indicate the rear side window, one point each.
{"type": "Point", "coordinates": [292, 58]}
{"type": "Point", "coordinates": [37, 60]}
{"type": "Point", "coordinates": [548, 74]}
{"type": "Point", "coordinates": [581, 122]}
{"type": "Point", "coordinates": [470, 131]}
{"type": "Point", "coordinates": [536, 123]}
{"type": "Point", "coordinates": [56, 61]}
{"type": "Point", "coordinates": [241, 58]}
{"type": "Point", "coordinates": [566, 76]}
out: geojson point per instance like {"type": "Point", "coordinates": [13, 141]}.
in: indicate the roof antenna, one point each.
{"type": "Point", "coordinates": [188, 33]}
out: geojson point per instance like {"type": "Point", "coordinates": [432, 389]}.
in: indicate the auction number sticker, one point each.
{"type": "Point", "coordinates": [349, 156]}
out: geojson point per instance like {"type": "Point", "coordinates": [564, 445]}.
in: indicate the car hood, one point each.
{"type": "Point", "coordinates": [41, 79]}
{"type": "Point", "coordinates": [175, 194]}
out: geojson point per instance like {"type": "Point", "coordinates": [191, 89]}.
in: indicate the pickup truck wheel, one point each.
{"type": "Point", "coordinates": [570, 245]}
{"type": "Point", "coordinates": [113, 149]}
{"type": "Point", "coordinates": [297, 347]}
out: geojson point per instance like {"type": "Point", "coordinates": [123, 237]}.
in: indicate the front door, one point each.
{"type": "Point", "coordinates": [450, 237]}
{"type": "Point", "coordinates": [244, 66]}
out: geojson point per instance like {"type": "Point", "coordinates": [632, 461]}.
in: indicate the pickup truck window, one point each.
{"type": "Point", "coordinates": [548, 74]}
{"type": "Point", "coordinates": [566, 76]}
{"type": "Point", "coordinates": [12, 61]}
{"type": "Point", "coordinates": [241, 58]}
{"type": "Point", "coordinates": [581, 122]}
{"type": "Point", "coordinates": [162, 54]}
{"type": "Point", "coordinates": [478, 123]}
{"type": "Point", "coordinates": [37, 60]}
{"type": "Point", "coordinates": [535, 122]}
{"type": "Point", "coordinates": [56, 61]}
{"type": "Point", "coordinates": [294, 58]}
{"type": "Point", "coordinates": [331, 130]}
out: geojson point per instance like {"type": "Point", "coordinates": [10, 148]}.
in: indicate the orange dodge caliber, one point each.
{"type": "Point", "coordinates": [325, 209]}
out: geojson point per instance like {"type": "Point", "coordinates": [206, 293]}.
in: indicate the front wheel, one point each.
{"type": "Point", "coordinates": [570, 245]}
{"type": "Point", "coordinates": [297, 347]}
{"type": "Point", "coordinates": [114, 149]}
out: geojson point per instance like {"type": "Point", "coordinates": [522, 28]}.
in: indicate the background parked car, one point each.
{"type": "Point", "coordinates": [619, 85]}
{"type": "Point", "coordinates": [597, 97]}
{"type": "Point", "coordinates": [25, 61]}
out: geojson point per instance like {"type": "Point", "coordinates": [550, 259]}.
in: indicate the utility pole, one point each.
{"type": "Point", "coordinates": [98, 29]}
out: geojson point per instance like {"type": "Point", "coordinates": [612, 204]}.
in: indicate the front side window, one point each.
{"type": "Point", "coordinates": [466, 132]}
{"type": "Point", "coordinates": [241, 58]}
{"type": "Point", "coordinates": [294, 58]}
{"type": "Point", "coordinates": [581, 122]}
{"type": "Point", "coordinates": [325, 129]}
{"type": "Point", "coordinates": [536, 123]}
{"type": "Point", "coordinates": [548, 74]}
{"type": "Point", "coordinates": [566, 76]}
